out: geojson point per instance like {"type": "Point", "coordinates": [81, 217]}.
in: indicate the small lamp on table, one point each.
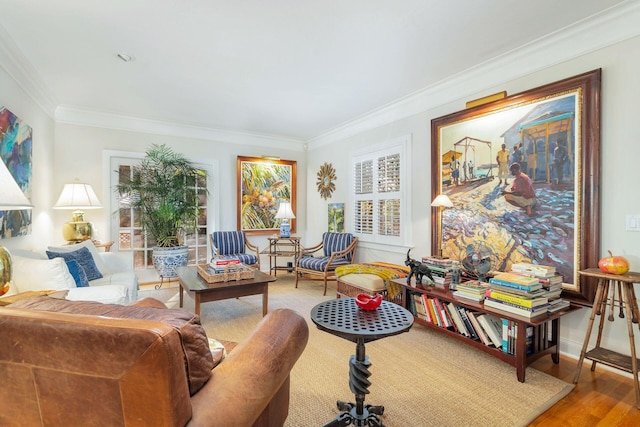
{"type": "Point", "coordinates": [285, 213]}
{"type": "Point", "coordinates": [78, 197]}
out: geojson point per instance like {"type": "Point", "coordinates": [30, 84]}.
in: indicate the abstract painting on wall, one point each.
{"type": "Point", "coordinates": [15, 151]}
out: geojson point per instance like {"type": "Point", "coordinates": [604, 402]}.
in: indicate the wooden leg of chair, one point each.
{"type": "Point", "coordinates": [297, 276]}
{"type": "Point", "coordinates": [325, 286]}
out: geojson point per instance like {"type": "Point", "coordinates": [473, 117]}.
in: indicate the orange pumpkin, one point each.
{"type": "Point", "coordinates": [614, 264]}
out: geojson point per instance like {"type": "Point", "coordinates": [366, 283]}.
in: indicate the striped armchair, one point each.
{"type": "Point", "coordinates": [337, 249]}
{"type": "Point", "coordinates": [234, 244]}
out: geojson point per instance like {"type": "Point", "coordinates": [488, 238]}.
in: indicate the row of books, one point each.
{"type": "Point", "coordinates": [509, 334]}
{"type": "Point", "coordinates": [489, 329]}
{"type": "Point", "coordinates": [478, 326]}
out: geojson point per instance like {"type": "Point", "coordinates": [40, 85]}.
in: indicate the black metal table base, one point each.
{"type": "Point", "coordinates": [358, 414]}
{"type": "Point", "coordinates": [349, 416]}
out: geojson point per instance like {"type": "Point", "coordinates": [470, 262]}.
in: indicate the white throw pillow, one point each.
{"type": "Point", "coordinates": [102, 266]}
{"type": "Point", "coordinates": [39, 275]}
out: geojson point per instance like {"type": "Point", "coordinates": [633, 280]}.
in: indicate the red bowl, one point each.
{"type": "Point", "coordinates": [366, 302]}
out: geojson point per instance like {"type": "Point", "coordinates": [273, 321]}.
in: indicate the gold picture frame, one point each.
{"type": "Point", "coordinates": [262, 184]}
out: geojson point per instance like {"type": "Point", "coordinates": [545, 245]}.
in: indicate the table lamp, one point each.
{"type": "Point", "coordinates": [285, 213]}
{"type": "Point", "coordinates": [77, 196]}
{"type": "Point", "coordinates": [440, 202]}
{"type": "Point", "coordinates": [11, 198]}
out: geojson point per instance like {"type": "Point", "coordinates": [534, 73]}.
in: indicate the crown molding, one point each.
{"type": "Point", "coordinates": [612, 26]}
{"type": "Point", "coordinates": [84, 117]}
{"type": "Point", "coordinates": [22, 72]}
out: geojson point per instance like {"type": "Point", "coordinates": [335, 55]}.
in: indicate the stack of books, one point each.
{"type": "Point", "coordinates": [445, 272]}
{"type": "Point", "coordinates": [550, 280]}
{"type": "Point", "coordinates": [517, 294]}
{"type": "Point", "coordinates": [473, 290]}
{"type": "Point", "coordinates": [218, 265]}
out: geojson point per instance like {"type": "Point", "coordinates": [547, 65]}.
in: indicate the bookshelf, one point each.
{"type": "Point", "coordinates": [545, 329]}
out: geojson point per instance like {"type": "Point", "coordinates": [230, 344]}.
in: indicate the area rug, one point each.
{"type": "Point", "coordinates": [422, 378]}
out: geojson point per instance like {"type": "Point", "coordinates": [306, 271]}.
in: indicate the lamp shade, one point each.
{"type": "Point", "coordinates": [77, 196]}
{"type": "Point", "coordinates": [11, 196]}
{"type": "Point", "coordinates": [285, 212]}
{"type": "Point", "coordinates": [442, 201]}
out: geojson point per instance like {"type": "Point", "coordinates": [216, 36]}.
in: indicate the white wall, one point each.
{"type": "Point", "coordinates": [620, 154]}
{"type": "Point", "coordinates": [80, 152]}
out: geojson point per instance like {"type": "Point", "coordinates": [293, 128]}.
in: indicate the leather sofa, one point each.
{"type": "Point", "coordinates": [62, 369]}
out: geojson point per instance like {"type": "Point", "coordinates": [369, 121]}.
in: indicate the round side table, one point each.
{"type": "Point", "coordinates": [343, 318]}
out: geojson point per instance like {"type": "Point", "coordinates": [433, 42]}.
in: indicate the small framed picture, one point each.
{"type": "Point", "coordinates": [336, 217]}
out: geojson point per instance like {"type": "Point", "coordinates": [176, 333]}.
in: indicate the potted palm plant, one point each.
{"type": "Point", "coordinates": [159, 191]}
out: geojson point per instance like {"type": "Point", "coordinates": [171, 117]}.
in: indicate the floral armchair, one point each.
{"type": "Point", "coordinates": [234, 244]}
{"type": "Point", "coordinates": [337, 249]}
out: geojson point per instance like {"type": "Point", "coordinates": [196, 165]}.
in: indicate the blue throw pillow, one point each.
{"type": "Point", "coordinates": [78, 273]}
{"type": "Point", "coordinates": [84, 258]}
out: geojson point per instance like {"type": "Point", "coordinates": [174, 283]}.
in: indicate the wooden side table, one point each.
{"type": "Point", "coordinates": [623, 297]}
{"type": "Point", "coordinates": [282, 247]}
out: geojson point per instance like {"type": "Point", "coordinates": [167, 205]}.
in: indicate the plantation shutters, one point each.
{"type": "Point", "coordinates": [379, 202]}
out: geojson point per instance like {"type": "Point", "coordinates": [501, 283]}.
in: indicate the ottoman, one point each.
{"type": "Point", "coordinates": [369, 279]}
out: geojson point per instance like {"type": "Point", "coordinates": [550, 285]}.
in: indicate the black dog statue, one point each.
{"type": "Point", "coordinates": [419, 269]}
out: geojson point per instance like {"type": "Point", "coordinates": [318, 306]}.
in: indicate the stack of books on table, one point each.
{"type": "Point", "coordinates": [517, 294]}
{"type": "Point", "coordinates": [445, 272]}
{"type": "Point", "coordinates": [218, 265]}
{"type": "Point", "coordinates": [550, 280]}
{"type": "Point", "coordinates": [473, 290]}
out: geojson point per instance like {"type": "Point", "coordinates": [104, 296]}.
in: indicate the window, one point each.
{"type": "Point", "coordinates": [380, 186]}
{"type": "Point", "coordinates": [129, 233]}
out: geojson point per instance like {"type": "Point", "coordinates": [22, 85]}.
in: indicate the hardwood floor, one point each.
{"type": "Point", "coordinates": [601, 398]}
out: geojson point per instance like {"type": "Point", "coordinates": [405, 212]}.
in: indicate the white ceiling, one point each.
{"type": "Point", "coordinates": [288, 68]}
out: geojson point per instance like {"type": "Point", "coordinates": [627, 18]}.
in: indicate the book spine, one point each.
{"type": "Point", "coordinates": [509, 284]}
{"type": "Point", "coordinates": [520, 311]}
{"type": "Point", "coordinates": [516, 278]}
{"type": "Point", "coordinates": [494, 302]}
{"type": "Point", "coordinates": [467, 322]}
{"type": "Point", "coordinates": [436, 313]}
{"type": "Point", "coordinates": [411, 302]}
{"type": "Point", "coordinates": [512, 299]}
{"type": "Point", "coordinates": [489, 327]}
{"type": "Point", "coordinates": [219, 262]}
{"type": "Point", "coordinates": [505, 335]}
{"type": "Point", "coordinates": [457, 319]}
{"type": "Point", "coordinates": [443, 314]}
{"type": "Point", "coordinates": [419, 308]}
{"type": "Point", "coordinates": [478, 328]}
{"type": "Point", "coordinates": [429, 309]}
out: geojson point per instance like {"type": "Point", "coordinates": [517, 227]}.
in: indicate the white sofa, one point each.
{"type": "Point", "coordinates": [33, 271]}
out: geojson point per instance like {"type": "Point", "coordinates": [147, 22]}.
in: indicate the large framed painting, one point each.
{"type": "Point", "coordinates": [262, 185]}
{"type": "Point", "coordinates": [15, 152]}
{"type": "Point", "coordinates": [550, 214]}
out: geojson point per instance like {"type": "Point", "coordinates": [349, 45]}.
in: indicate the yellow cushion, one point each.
{"type": "Point", "coordinates": [370, 282]}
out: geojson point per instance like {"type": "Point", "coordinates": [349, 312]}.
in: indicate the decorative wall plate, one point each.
{"type": "Point", "coordinates": [326, 176]}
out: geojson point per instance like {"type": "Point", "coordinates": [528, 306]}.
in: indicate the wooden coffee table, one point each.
{"type": "Point", "coordinates": [191, 281]}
